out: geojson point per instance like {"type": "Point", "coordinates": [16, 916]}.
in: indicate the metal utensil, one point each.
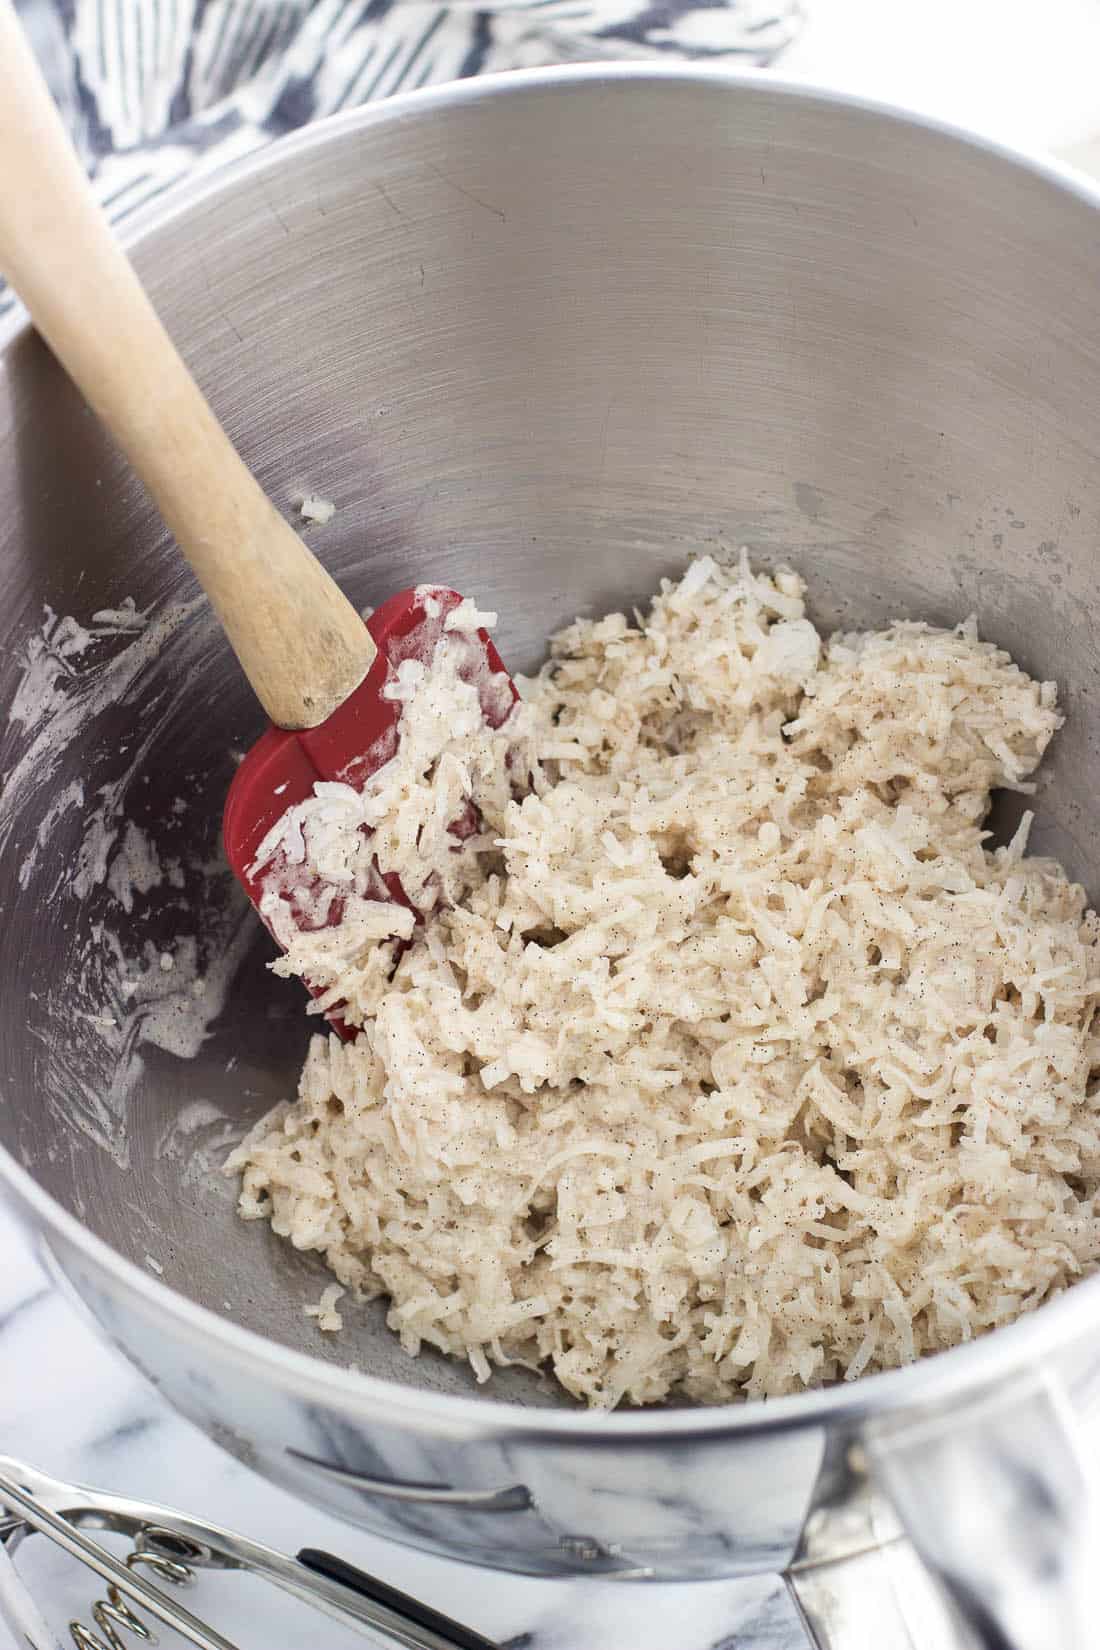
{"type": "Point", "coordinates": [172, 1546]}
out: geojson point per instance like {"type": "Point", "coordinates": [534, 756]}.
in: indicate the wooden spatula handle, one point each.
{"type": "Point", "coordinates": [301, 643]}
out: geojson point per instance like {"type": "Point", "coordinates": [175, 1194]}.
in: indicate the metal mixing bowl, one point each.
{"type": "Point", "coordinates": [541, 338]}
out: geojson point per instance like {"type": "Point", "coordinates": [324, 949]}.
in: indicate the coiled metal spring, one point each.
{"type": "Point", "coordinates": [163, 1552]}
{"type": "Point", "coordinates": [172, 1547]}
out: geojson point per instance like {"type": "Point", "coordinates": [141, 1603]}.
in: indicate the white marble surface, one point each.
{"type": "Point", "coordinates": [1011, 68]}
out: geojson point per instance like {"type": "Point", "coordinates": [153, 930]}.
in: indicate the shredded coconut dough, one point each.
{"type": "Point", "coordinates": [730, 1062]}
{"type": "Point", "coordinates": [313, 508]}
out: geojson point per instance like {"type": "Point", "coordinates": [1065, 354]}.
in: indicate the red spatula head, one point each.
{"type": "Point", "coordinates": [358, 738]}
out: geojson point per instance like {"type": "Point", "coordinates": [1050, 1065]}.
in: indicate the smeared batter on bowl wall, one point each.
{"type": "Point", "coordinates": [730, 1060]}
{"type": "Point", "coordinates": [115, 989]}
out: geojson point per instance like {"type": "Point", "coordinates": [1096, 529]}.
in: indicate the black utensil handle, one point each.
{"type": "Point", "coordinates": [380, 1592]}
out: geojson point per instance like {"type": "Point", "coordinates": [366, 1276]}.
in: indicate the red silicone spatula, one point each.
{"type": "Point", "coordinates": [317, 669]}
{"type": "Point", "coordinates": [359, 735]}
{"type": "Point", "coordinates": [355, 740]}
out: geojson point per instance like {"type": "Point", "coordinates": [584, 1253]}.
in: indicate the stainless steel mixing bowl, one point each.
{"type": "Point", "coordinates": [542, 339]}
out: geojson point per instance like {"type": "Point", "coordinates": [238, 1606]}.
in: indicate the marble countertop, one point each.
{"type": "Point", "coordinates": [68, 1404]}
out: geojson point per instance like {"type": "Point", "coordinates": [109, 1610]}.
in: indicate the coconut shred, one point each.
{"type": "Point", "coordinates": [731, 1060]}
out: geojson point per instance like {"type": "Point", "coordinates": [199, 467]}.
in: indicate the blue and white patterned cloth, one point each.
{"type": "Point", "coordinates": [157, 89]}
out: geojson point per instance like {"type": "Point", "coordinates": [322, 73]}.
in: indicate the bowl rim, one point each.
{"type": "Point", "coordinates": [962, 1371]}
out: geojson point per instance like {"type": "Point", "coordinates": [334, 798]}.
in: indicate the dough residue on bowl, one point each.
{"type": "Point", "coordinates": [731, 1060]}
